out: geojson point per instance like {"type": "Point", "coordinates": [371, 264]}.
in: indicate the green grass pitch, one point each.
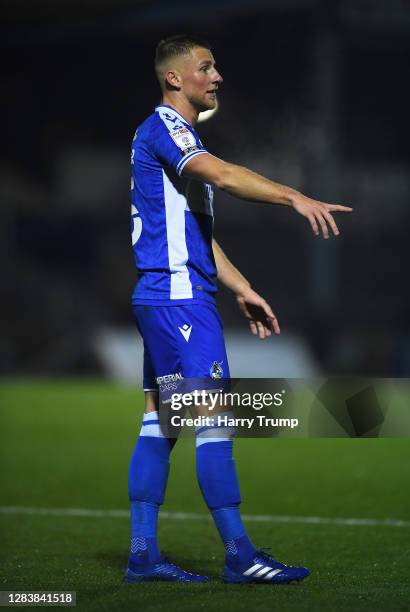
{"type": "Point", "coordinates": [68, 444]}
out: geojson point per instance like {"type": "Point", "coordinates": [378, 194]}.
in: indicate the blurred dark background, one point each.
{"type": "Point", "coordinates": [315, 96]}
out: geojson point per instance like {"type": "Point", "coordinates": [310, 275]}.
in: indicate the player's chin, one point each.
{"type": "Point", "coordinates": [209, 103]}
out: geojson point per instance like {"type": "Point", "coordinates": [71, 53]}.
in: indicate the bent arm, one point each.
{"type": "Point", "coordinates": [228, 275]}
{"type": "Point", "coordinates": [262, 321]}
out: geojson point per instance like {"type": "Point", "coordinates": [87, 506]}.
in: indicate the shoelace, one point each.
{"type": "Point", "coordinates": [268, 558]}
{"type": "Point", "coordinates": [176, 567]}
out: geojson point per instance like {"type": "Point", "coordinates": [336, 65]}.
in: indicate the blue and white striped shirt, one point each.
{"type": "Point", "coordinates": [171, 216]}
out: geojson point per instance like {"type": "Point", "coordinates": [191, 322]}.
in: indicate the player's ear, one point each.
{"type": "Point", "coordinates": [173, 79]}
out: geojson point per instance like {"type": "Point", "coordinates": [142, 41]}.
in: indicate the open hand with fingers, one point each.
{"type": "Point", "coordinates": [318, 214]}
{"type": "Point", "coordinates": [262, 321]}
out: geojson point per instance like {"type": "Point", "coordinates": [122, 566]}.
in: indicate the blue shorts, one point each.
{"type": "Point", "coordinates": [181, 341]}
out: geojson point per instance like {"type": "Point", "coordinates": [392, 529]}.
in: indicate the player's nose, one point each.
{"type": "Point", "coordinates": [218, 78]}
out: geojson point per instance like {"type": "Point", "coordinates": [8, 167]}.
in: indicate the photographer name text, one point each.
{"type": "Point", "coordinates": [225, 421]}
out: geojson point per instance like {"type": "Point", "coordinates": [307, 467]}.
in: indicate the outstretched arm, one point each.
{"type": "Point", "coordinates": [245, 184]}
{"type": "Point", "coordinates": [261, 319]}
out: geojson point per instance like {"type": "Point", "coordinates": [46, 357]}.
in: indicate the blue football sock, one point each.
{"type": "Point", "coordinates": [144, 520]}
{"type": "Point", "coordinates": [148, 475]}
{"type": "Point", "coordinates": [236, 541]}
{"type": "Point", "coordinates": [220, 488]}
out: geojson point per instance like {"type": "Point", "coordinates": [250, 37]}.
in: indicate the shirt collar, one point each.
{"type": "Point", "coordinates": [160, 106]}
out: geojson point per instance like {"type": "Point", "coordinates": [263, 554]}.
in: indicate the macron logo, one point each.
{"type": "Point", "coordinates": [186, 331]}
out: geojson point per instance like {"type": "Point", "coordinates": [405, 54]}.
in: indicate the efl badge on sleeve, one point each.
{"type": "Point", "coordinates": [184, 139]}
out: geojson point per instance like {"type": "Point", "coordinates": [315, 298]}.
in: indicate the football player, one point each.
{"type": "Point", "coordinates": [179, 263]}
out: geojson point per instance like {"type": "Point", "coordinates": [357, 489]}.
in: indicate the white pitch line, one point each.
{"type": "Point", "coordinates": [196, 516]}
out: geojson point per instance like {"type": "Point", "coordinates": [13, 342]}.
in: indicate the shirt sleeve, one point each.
{"type": "Point", "coordinates": [175, 142]}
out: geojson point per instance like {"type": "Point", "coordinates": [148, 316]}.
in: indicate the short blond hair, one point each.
{"type": "Point", "coordinates": [176, 46]}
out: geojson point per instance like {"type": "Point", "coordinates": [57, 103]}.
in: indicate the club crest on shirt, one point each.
{"type": "Point", "coordinates": [216, 370]}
